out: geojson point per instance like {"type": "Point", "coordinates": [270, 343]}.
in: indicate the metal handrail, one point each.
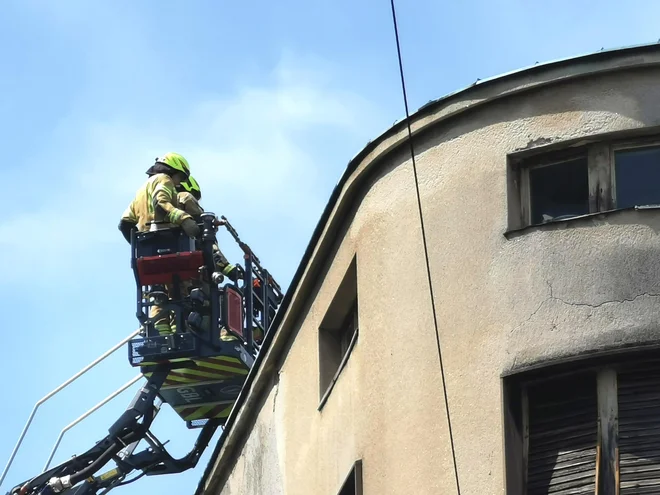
{"type": "Point", "coordinates": [97, 406]}
{"type": "Point", "coordinates": [58, 389]}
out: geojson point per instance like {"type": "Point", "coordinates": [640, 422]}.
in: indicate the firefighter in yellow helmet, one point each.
{"type": "Point", "coordinates": [156, 206]}
{"type": "Point", "coordinates": [189, 196]}
{"type": "Point", "coordinates": [156, 202]}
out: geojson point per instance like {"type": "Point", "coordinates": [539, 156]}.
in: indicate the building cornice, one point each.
{"type": "Point", "coordinates": [348, 190]}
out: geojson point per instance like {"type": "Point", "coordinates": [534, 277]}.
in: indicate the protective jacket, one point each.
{"type": "Point", "coordinates": [156, 201]}
{"type": "Point", "coordinates": [190, 205]}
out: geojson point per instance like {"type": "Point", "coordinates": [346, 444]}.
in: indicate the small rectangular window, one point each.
{"type": "Point", "coordinates": [559, 191]}
{"type": "Point", "coordinates": [353, 483]}
{"type": "Point", "coordinates": [338, 332]}
{"type": "Point", "coordinates": [637, 175]}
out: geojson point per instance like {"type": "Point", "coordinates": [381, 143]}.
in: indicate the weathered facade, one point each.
{"type": "Point", "coordinates": [546, 277]}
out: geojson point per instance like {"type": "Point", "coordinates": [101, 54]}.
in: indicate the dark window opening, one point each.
{"type": "Point", "coordinates": [353, 483]}
{"type": "Point", "coordinates": [348, 330]}
{"type": "Point", "coordinates": [637, 177]}
{"type": "Point", "coordinates": [593, 428]}
{"type": "Point", "coordinates": [559, 191]}
{"type": "Point", "coordinates": [639, 430]}
{"type": "Point", "coordinates": [338, 332]}
{"type": "Point", "coordinates": [563, 433]}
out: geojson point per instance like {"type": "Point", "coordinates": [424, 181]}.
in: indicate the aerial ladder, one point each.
{"type": "Point", "coordinates": [198, 369]}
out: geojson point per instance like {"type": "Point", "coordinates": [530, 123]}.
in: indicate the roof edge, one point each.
{"type": "Point", "coordinates": [427, 115]}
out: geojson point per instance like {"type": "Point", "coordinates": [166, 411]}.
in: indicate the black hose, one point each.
{"type": "Point", "coordinates": [97, 464]}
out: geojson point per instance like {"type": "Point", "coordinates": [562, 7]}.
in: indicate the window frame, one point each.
{"type": "Point", "coordinates": [339, 334]}
{"type": "Point", "coordinates": [517, 450]}
{"type": "Point", "coordinates": [628, 145]}
{"type": "Point", "coordinates": [607, 367]}
{"type": "Point", "coordinates": [348, 330]}
{"type": "Point", "coordinates": [549, 161]}
{"type": "Point", "coordinates": [601, 167]}
{"type": "Point", "coordinates": [354, 475]}
{"type": "Point", "coordinates": [335, 341]}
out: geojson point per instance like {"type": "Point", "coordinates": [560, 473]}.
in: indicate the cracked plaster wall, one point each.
{"type": "Point", "coordinates": [502, 303]}
{"type": "Point", "coordinates": [544, 294]}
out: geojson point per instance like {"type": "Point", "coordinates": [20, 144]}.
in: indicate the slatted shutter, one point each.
{"type": "Point", "coordinates": [639, 430]}
{"type": "Point", "coordinates": [562, 435]}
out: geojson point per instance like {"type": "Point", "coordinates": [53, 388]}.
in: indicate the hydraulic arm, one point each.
{"type": "Point", "coordinates": [196, 368]}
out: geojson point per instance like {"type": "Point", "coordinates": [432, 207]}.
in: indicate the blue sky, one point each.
{"type": "Point", "coordinates": [267, 100]}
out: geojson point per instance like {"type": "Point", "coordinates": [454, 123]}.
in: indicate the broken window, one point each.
{"type": "Point", "coordinates": [559, 191]}
{"type": "Point", "coordinates": [637, 177]}
{"type": "Point", "coordinates": [600, 176]}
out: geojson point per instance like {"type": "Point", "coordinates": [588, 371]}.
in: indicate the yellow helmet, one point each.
{"type": "Point", "coordinates": [175, 161]}
{"type": "Point", "coordinates": [191, 185]}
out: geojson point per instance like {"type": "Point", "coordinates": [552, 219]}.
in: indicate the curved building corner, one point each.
{"type": "Point", "coordinates": [540, 193]}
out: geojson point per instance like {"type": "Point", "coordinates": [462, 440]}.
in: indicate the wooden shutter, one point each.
{"type": "Point", "coordinates": [562, 435]}
{"type": "Point", "coordinates": [639, 430]}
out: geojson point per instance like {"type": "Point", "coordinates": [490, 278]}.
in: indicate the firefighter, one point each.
{"type": "Point", "coordinates": [189, 196]}
{"type": "Point", "coordinates": [156, 202]}
{"type": "Point", "coordinates": [156, 206]}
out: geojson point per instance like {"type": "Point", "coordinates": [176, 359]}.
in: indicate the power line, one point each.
{"type": "Point", "coordinates": [426, 251]}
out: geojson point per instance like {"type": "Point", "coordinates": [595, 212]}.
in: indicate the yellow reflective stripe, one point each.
{"type": "Point", "coordinates": [224, 413]}
{"type": "Point", "coordinates": [178, 360]}
{"type": "Point", "coordinates": [227, 359]}
{"type": "Point", "coordinates": [233, 371]}
{"type": "Point", "coordinates": [218, 363]}
{"type": "Point", "coordinates": [181, 379]}
{"type": "Point", "coordinates": [148, 197]}
{"type": "Point", "coordinates": [181, 407]}
{"type": "Point", "coordinates": [199, 413]}
{"type": "Point", "coordinates": [203, 374]}
{"type": "Point", "coordinates": [215, 366]}
{"type": "Point", "coordinates": [175, 216]}
{"type": "Point", "coordinates": [202, 412]}
{"type": "Point", "coordinates": [203, 409]}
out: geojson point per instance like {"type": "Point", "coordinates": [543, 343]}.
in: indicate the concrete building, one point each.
{"type": "Point", "coordinates": [539, 191]}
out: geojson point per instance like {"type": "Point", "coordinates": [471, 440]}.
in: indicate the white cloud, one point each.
{"type": "Point", "coordinates": [253, 144]}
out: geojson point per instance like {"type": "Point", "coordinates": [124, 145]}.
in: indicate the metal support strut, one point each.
{"type": "Point", "coordinates": [164, 260]}
{"type": "Point", "coordinates": [58, 389]}
{"type": "Point", "coordinates": [95, 408]}
{"type": "Point", "coordinates": [132, 426]}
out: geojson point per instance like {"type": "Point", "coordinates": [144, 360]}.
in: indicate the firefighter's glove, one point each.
{"type": "Point", "coordinates": [190, 227]}
{"type": "Point", "coordinates": [235, 274]}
